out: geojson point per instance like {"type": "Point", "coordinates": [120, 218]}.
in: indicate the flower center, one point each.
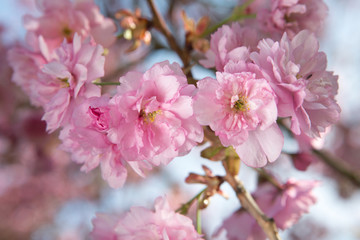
{"type": "Point", "coordinates": [149, 117]}
{"type": "Point", "coordinates": [241, 105]}
{"type": "Point", "coordinates": [67, 33]}
{"type": "Point", "coordinates": [64, 82]}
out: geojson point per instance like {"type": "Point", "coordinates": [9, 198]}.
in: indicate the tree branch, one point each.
{"type": "Point", "coordinates": [159, 24]}
{"type": "Point", "coordinates": [249, 204]}
{"type": "Point", "coordinates": [338, 166]}
{"type": "Point", "coordinates": [333, 162]}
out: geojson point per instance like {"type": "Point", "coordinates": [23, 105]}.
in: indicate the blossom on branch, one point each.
{"type": "Point", "coordinates": [152, 116]}
{"type": "Point", "coordinates": [142, 223]}
{"type": "Point", "coordinates": [305, 91]}
{"type": "Point", "coordinates": [62, 19]}
{"type": "Point", "coordinates": [285, 206]}
{"type": "Point", "coordinates": [241, 109]}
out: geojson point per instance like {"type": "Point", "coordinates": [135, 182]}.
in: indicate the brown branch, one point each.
{"type": "Point", "coordinates": [249, 204]}
{"type": "Point", "coordinates": [159, 24]}
{"type": "Point", "coordinates": [333, 162]}
{"type": "Point", "coordinates": [338, 165]}
{"type": "Point", "coordinates": [268, 177]}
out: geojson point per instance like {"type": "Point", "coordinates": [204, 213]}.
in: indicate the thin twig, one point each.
{"type": "Point", "coordinates": [183, 209]}
{"type": "Point", "coordinates": [249, 204]}
{"type": "Point", "coordinates": [333, 162]}
{"type": "Point", "coordinates": [268, 177]}
{"type": "Point", "coordinates": [159, 24]}
{"type": "Point", "coordinates": [338, 165]}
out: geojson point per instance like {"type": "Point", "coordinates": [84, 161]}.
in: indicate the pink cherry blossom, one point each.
{"type": "Point", "coordinates": [290, 204]}
{"type": "Point", "coordinates": [229, 43]}
{"type": "Point", "coordinates": [305, 91]}
{"type": "Point", "coordinates": [274, 17]}
{"type": "Point", "coordinates": [63, 19]}
{"type": "Point", "coordinates": [68, 77]}
{"type": "Point", "coordinates": [241, 109]}
{"type": "Point", "coordinates": [104, 227]}
{"type": "Point", "coordinates": [285, 206]}
{"type": "Point", "coordinates": [86, 138]}
{"type": "Point", "coordinates": [152, 115]}
{"type": "Point", "coordinates": [141, 223]}
{"type": "Point", "coordinates": [26, 65]}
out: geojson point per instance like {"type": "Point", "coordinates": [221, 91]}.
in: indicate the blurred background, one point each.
{"type": "Point", "coordinates": [43, 195]}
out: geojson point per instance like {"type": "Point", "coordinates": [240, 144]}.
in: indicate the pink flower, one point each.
{"type": "Point", "coordinates": [152, 115]}
{"type": "Point", "coordinates": [26, 66]}
{"type": "Point", "coordinates": [63, 19]}
{"type": "Point", "coordinates": [68, 77]}
{"type": "Point", "coordinates": [104, 227]}
{"type": "Point", "coordinates": [286, 206]}
{"type": "Point", "coordinates": [297, 72]}
{"type": "Point", "coordinates": [241, 109]}
{"type": "Point", "coordinates": [274, 17]}
{"type": "Point", "coordinates": [141, 223]}
{"type": "Point", "coordinates": [229, 43]}
{"type": "Point", "coordinates": [85, 137]}
{"type": "Point", "coordinates": [290, 203]}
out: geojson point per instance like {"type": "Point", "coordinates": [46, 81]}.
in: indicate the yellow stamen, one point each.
{"type": "Point", "coordinates": [149, 117]}
{"type": "Point", "coordinates": [64, 82]}
{"type": "Point", "coordinates": [241, 104]}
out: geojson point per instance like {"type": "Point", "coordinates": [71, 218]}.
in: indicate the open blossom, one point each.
{"type": "Point", "coordinates": [305, 91]}
{"type": "Point", "coordinates": [152, 116]}
{"type": "Point", "coordinates": [26, 66]}
{"type": "Point", "coordinates": [229, 43]}
{"type": "Point", "coordinates": [149, 121]}
{"type": "Point", "coordinates": [86, 138]}
{"type": "Point", "coordinates": [66, 78]}
{"type": "Point", "coordinates": [62, 19]}
{"type": "Point", "coordinates": [285, 206]}
{"type": "Point", "coordinates": [274, 17]}
{"type": "Point", "coordinates": [142, 223]}
{"type": "Point", "coordinates": [241, 109]}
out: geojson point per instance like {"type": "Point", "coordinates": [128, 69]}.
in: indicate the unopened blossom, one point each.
{"type": "Point", "coordinates": [241, 109]}
{"type": "Point", "coordinates": [141, 223]}
{"type": "Point", "coordinates": [152, 116]}
{"type": "Point", "coordinates": [229, 43]}
{"type": "Point", "coordinates": [62, 19]}
{"type": "Point", "coordinates": [285, 206]}
{"type": "Point", "coordinates": [305, 91]}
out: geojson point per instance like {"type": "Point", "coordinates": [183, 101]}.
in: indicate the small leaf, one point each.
{"type": "Point", "coordinates": [202, 25]}
{"type": "Point", "coordinates": [214, 153]}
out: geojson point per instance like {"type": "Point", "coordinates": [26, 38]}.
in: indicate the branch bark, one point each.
{"type": "Point", "coordinates": [160, 24]}
{"type": "Point", "coordinates": [338, 166]}
{"type": "Point", "coordinates": [249, 204]}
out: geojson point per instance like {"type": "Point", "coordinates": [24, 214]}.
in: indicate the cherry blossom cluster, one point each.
{"type": "Point", "coordinates": [268, 70]}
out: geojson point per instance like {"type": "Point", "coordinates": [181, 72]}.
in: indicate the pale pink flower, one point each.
{"type": "Point", "coordinates": [152, 115]}
{"type": "Point", "coordinates": [305, 91]}
{"type": "Point", "coordinates": [274, 17]}
{"type": "Point", "coordinates": [141, 223]}
{"type": "Point", "coordinates": [85, 137]}
{"type": "Point", "coordinates": [104, 227]}
{"type": "Point", "coordinates": [62, 19]}
{"type": "Point", "coordinates": [68, 77]}
{"type": "Point", "coordinates": [241, 109]}
{"type": "Point", "coordinates": [229, 43]}
{"type": "Point", "coordinates": [290, 204]}
{"type": "Point", "coordinates": [285, 206]}
{"type": "Point", "coordinates": [26, 66]}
